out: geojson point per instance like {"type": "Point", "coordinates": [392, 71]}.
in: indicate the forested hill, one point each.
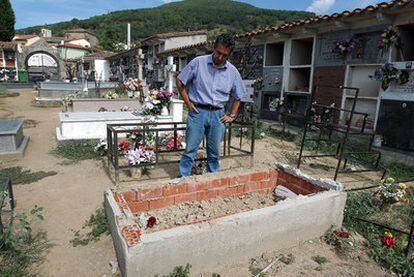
{"type": "Point", "coordinates": [213, 15]}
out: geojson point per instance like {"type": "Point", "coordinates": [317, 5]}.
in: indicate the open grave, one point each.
{"type": "Point", "coordinates": [229, 216]}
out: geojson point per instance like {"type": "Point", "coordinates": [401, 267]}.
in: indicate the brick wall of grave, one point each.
{"type": "Point", "coordinates": [163, 195]}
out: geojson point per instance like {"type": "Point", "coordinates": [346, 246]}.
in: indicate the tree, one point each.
{"type": "Point", "coordinates": [109, 38]}
{"type": "Point", "coordinates": [7, 21]}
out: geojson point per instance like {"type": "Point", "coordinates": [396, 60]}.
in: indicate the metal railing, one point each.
{"type": "Point", "coordinates": [116, 131]}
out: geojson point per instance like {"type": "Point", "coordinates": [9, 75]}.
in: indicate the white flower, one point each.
{"type": "Point", "coordinates": [149, 105]}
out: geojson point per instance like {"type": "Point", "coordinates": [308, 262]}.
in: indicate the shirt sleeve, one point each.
{"type": "Point", "coordinates": [188, 72]}
{"type": "Point", "coordinates": [238, 89]}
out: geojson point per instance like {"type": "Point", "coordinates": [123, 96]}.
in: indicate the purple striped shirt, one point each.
{"type": "Point", "coordinates": [209, 84]}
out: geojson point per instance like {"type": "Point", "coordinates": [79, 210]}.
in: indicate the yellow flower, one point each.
{"type": "Point", "coordinates": [402, 186]}
{"type": "Point", "coordinates": [388, 234]}
{"type": "Point", "coordinates": [390, 180]}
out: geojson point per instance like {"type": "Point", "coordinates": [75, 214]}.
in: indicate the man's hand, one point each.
{"type": "Point", "coordinates": [191, 107]}
{"type": "Point", "coordinates": [227, 118]}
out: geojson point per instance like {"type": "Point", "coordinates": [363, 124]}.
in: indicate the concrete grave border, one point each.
{"type": "Point", "coordinates": [218, 242]}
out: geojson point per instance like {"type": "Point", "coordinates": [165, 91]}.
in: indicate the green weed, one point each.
{"type": "Point", "coordinates": [76, 151]}
{"type": "Point", "coordinates": [320, 260]}
{"type": "Point", "coordinates": [20, 246]}
{"type": "Point", "coordinates": [97, 225]}
{"type": "Point", "coordinates": [20, 176]}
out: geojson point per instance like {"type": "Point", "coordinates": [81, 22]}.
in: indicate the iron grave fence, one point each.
{"type": "Point", "coordinates": [149, 136]}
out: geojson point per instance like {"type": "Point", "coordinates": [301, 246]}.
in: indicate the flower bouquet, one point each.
{"type": "Point", "coordinates": [167, 141]}
{"type": "Point", "coordinates": [111, 95]}
{"type": "Point", "coordinates": [346, 46]}
{"type": "Point", "coordinates": [275, 104]}
{"type": "Point", "coordinates": [391, 36]}
{"type": "Point", "coordinates": [139, 156]}
{"type": "Point", "coordinates": [156, 101]}
{"type": "Point", "coordinates": [386, 74]}
{"type": "Point", "coordinates": [390, 192]}
{"type": "Point", "coordinates": [133, 86]}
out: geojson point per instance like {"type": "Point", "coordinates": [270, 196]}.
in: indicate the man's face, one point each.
{"type": "Point", "coordinates": [220, 54]}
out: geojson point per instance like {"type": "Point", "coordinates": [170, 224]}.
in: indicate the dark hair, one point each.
{"type": "Point", "coordinates": [225, 39]}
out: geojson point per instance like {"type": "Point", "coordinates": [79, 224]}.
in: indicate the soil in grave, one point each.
{"type": "Point", "coordinates": [197, 211]}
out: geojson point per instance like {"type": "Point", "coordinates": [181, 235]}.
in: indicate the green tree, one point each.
{"type": "Point", "coordinates": [7, 21]}
{"type": "Point", "coordinates": [109, 38]}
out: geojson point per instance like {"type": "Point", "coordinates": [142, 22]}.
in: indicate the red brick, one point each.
{"type": "Point", "coordinates": [225, 181]}
{"type": "Point", "coordinates": [130, 196]}
{"type": "Point", "coordinates": [296, 189]}
{"type": "Point", "coordinates": [161, 203]}
{"type": "Point", "coordinates": [143, 194]}
{"type": "Point", "coordinates": [191, 187]}
{"type": "Point", "coordinates": [242, 179]}
{"type": "Point", "coordinates": [208, 194]}
{"type": "Point", "coordinates": [259, 176]}
{"type": "Point", "coordinates": [281, 181]}
{"type": "Point", "coordinates": [185, 197]}
{"type": "Point", "coordinates": [253, 186]}
{"type": "Point", "coordinates": [268, 184]}
{"type": "Point", "coordinates": [136, 207]}
{"type": "Point", "coordinates": [202, 186]}
{"type": "Point", "coordinates": [117, 198]}
{"type": "Point", "coordinates": [174, 189]}
{"type": "Point", "coordinates": [215, 183]}
{"type": "Point", "coordinates": [230, 191]}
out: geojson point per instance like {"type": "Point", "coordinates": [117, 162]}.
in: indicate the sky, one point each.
{"type": "Point", "coordinates": [39, 12]}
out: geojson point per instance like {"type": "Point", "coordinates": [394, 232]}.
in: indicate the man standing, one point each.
{"type": "Point", "coordinates": [206, 85]}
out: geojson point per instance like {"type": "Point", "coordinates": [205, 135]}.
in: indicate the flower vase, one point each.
{"type": "Point", "coordinates": [164, 110]}
{"type": "Point", "coordinates": [130, 94]}
{"type": "Point", "coordinates": [137, 94]}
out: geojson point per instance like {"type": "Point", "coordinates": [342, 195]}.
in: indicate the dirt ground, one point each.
{"type": "Point", "coordinates": [71, 196]}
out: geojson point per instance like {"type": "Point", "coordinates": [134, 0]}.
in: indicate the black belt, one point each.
{"type": "Point", "coordinates": [207, 107]}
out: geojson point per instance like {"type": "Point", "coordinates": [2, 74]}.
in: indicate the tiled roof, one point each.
{"type": "Point", "coordinates": [55, 39]}
{"type": "Point", "coordinates": [175, 34]}
{"type": "Point", "coordinates": [8, 45]}
{"type": "Point", "coordinates": [324, 18]}
{"type": "Point", "coordinates": [70, 45]}
{"type": "Point", "coordinates": [24, 36]}
{"type": "Point", "coordinates": [101, 54]}
{"type": "Point", "coordinates": [204, 45]}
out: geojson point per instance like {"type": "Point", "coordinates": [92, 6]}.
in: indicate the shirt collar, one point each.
{"type": "Point", "coordinates": [210, 61]}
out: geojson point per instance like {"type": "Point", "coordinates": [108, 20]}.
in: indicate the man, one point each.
{"type": "Point", "coordinates": [206, 85]}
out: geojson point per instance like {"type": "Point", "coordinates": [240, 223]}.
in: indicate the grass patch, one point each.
{"type": "Point", "coordinates": [20, 246]}
{"type": "Point", "coordinates": [20, 176]}
{"type": "Point", "coordinates": [256, 270]}
{"type": "Point", "coordinates": [320, 260]}
{"type": "Point", "coordinates": [76, 151]}
{"type": "Point", "coordinates": [363, 205]}
{"type": "Point", "coordinates": [400, 171]}
{"type": "Point", "coordinates": [4, 93]}
{"type": "Point", "coordinates": [283, 135]}
{"type": "Point", "coordinates": [180, 271]}
{"type": "Point", "coordinates": [320, 166]}
{"type": "Point", "coordinates": [97, 225]}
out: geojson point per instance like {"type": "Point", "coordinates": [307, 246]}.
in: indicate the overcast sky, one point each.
{"type": "Point", "coordinates": [38, 12]}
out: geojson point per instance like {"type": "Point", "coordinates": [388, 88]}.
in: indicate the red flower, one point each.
{"type": "Point", "coordinates": [124, 145]}
{"type": "Point", "coordinates": [151, 221]}
{"type": "Point", "coordinates": [388, 240]}
{"type": "Point", "coordinates": [342, 234]}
